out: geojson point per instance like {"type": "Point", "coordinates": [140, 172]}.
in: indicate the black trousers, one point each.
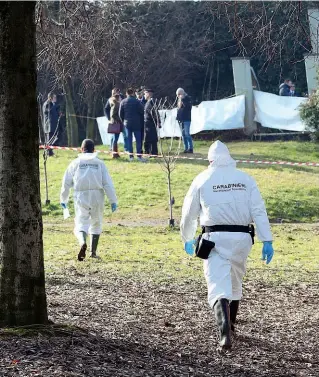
{"type": "Point", "coordinates": [150, 147]}
{"type": "Point", "coordinates": [48, 137]}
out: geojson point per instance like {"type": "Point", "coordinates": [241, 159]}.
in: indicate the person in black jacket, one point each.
{"type": "Point", "coordinates": [140, 95]}
{"type": "Point", "coordinates": [132, 116]}
{"type": "Point", "coordinates": [51, 115]}
{"type": "Point", "coordinates": [293, 92]}
{"type": "Point", "coordinates": [151, 124]}
{"type": "Point", "coordinates": [284, 88]}
{"type": "Point", "coordinates": [184, 118]}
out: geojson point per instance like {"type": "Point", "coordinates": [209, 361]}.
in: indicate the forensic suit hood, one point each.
{"type": "Point", "coordinates": [218, 155]}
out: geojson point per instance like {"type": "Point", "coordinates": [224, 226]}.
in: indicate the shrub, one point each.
{"type": "Point", "coordinates": [309, 113]}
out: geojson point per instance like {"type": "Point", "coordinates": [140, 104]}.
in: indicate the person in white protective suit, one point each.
{"type": "Point", "coordinates": [89, 178]}
{"type": "Point", "coordinates": [225, 198]}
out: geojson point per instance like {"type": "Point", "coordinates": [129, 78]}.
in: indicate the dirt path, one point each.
{"type": "Point", "coordinates": [139, 329]}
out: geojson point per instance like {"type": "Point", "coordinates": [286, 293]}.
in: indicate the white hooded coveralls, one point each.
{"type": "Point", "coordinates": [224, 195]}
{"type": "Point", "coordinates": [90, 180]}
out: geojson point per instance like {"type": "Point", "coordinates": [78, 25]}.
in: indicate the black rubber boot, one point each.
{"type": "Point", "coordinates": [233, 313]}
{"type": "Point", "coordinates": [94, 243]}
{"type": "Point", "coordinates": [222, 314]}
{"type": "Point", "coordinates": [82, 240]}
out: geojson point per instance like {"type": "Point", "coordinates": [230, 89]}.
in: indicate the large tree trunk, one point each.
{"type": "Point", "coordinates": [22, 283]}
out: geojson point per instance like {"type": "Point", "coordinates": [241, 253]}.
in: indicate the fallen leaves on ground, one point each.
{"type": "Point", "coordinates": [125, 327]}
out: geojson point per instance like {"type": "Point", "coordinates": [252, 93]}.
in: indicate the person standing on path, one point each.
{"type": "Point", "coordinates": [227, 201]}
{"type": "Point", "coordinates": [184, 118]}
{"type": "Point", "coordinates": [132, 116]}
{"type": "Point", "coordinates": [90, 180]}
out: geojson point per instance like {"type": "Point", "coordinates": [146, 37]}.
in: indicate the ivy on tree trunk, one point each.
{"type": "Point", "coordinates": [22, 280]}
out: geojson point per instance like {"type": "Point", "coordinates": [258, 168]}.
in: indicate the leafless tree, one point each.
{"type": "Point", "coordinates": [169, 146]}
{"type": "Point", "coordinates": [89, 47]}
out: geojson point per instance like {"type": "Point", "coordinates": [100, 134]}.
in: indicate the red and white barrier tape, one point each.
{"type": "Point", "coordinates": [256, 162]}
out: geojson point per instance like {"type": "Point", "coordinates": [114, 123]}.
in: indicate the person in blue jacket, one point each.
{"type": "Point", "coordinates": [132, 116]}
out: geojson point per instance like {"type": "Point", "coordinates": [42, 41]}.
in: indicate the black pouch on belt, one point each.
{"type": "Point", "coordinates": [203, 247]}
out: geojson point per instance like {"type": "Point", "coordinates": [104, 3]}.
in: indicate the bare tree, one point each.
{"type": "Point", "coordinates": [22, 281]}
{"type": "Point", "coordinates": [169, 146]}
{"type": "Point", "coordinates": [87, 47]}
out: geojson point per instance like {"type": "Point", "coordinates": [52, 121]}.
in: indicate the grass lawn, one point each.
{"type": "Point", "coordinates": [291, 193]}
{"type": "Point", "coordinates": [156, 254]}
{"type": "Point", "coordinates": [136, 239]}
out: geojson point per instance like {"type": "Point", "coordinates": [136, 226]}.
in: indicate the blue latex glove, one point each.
{"type": "Point", "coordinates": [267, 251]}
{"type": "Point", "coordinates": [63, 205]}
{"type": "Point", "coordinates": [114, 207]}
{"type": "Point", "coordinates": [189, 247]}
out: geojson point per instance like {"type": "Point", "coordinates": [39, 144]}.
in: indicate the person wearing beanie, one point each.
{"type": "Point", "coordinates": [227, 201]}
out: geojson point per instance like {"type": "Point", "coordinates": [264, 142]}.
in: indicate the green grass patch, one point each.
{"type": "Point", "coordinates": [291, 193]}
{"type": "Point", "coordinates": [156, 254]}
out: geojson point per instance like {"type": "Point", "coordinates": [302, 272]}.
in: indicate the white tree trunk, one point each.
{"type": "Point", "coordinates": [22, 282]}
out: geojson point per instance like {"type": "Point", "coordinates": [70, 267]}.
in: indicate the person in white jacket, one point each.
{"type": "Point", "coordinates": [225, 198]}
{"type": "Point", "coordinates": [89, 178]}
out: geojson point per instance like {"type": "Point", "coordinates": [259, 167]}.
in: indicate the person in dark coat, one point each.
{"type": "Point", "coordinates": [112, 114]}
{"type": "Point", "coordinates": [184, 118]}
{"type": "Point", "coordinates": [132, 116]}
{"type": "Point", "coordinates": [151, 124]}
{"type": "Point", "coordinates": [141, 96]}
{"type": "Point", "coordinates": [51, 115]}
{"type": "Point", "coordinates": [293, 92]}
{"type": "Point", "coordinates": [284, 88]}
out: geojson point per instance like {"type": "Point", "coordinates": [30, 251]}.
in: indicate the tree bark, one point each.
{"type": "Point", "coordinates": [22, 280]}
{"type": "Point", "coordinates": [72, 124]}
{"type": "Point", "coordinates": [90, 125]}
